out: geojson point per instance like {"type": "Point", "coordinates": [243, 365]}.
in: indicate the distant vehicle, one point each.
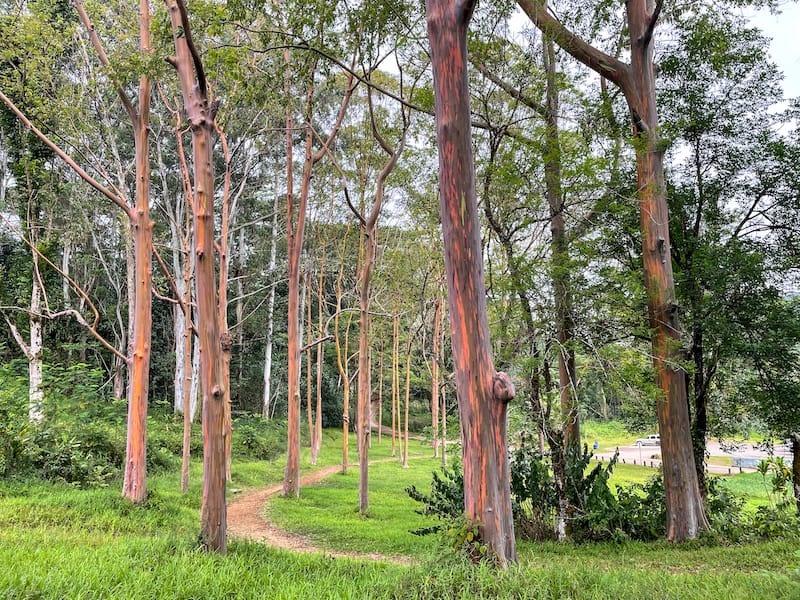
{"type": "Point", "coordinates": [651, 440]}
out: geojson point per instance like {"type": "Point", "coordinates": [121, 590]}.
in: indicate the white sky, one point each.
{"type": "Point", "coordinates": [784, 29]}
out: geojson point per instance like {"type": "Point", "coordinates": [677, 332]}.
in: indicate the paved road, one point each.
{"type": "Point", "coordinates": [650, 456]}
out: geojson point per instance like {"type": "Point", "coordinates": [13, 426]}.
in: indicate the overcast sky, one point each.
{"type": "Point", "coordinates": [784, 29]}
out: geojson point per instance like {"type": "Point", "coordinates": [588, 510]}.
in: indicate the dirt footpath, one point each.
{"type": "Point", "coordinates": [246, 520]}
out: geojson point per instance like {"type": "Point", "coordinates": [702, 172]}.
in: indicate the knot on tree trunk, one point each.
{"type": "Point", "coordinates": [226, 341]}
{"type": "Point", "coordinates": [503, 389]}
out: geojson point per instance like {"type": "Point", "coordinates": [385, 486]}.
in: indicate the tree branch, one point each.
{"type": "Point", "coordinates": [597, 60]}
{"type": "Point", "coordinates": [198, 63]}
{"type": "Point", "coordinates": [21, 342]}
{"type": "Point", "coordinates": [339, 117]}
{"type": "Point", "coordinates": [321, 340]}
{"type": "Point", "coordinates": [651, 25]}
{"type": "Point", "coordinates": [101, 54]}
{"type": "Point", "coordinates": [120, 202]}
{"type": "Point", "coordinates": [537, 107]}
{"type": "Point", "coordinates": [173, 287]}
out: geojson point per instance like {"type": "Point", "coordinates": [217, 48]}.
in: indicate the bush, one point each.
{"type": "Point", "coordinates": [642, 510]}
{"type": "Point", "coordinates": [67, 455]}
{"type": "Point", "coordinates": [445, 502]}
{"type": "Point", "coordinates": [14, 425]}
{"type": "Point", "coordinates": [534, 495]}
{"type": "Point", "coordinates": [256, 438]}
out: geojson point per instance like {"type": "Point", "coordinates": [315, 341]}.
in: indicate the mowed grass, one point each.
{"type": "Point", "coordinates": [608, 434]}
{"type": "Point", "coordinates": [58, 542]}
{"type": "Point", "coordinates": [327, 512]}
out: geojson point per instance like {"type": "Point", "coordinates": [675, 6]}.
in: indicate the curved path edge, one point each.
{"type": "Point", "coordinates": [246, 520]}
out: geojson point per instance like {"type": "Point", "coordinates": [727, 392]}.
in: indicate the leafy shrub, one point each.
{"type": "Point", "coordinates": [445, 502]}
{"type": "Point", "coordinates": [65, 456]}
{"type": "Point", "coordinates": [165, 431]}
{"type": "Point", "coordinates": [771, 522]}
{"type": "Point", "coordinates": [14, 426]}
{"type": "Point", "coordinates": [592, 509]}
{"type": "Point", "coordinates": [534, 495]}
{"type": "Point", "coordinates": [462, 536]}
{"type": "Point", "coordinates": [725, 511]}
{"type": "Point", "coordinates": [642, 510]}
{"type": "Point", "coordinates": [256, 438]}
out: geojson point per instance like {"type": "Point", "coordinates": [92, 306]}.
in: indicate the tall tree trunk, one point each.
{"type": "Point", "coordinates": [134, 483]}
{"type": "Point", "coordinates": [294, 237]}
{"type": "Point", "coordinates": [369, 224]}
{"type": "Point", "coordinates": [483, 393]}
{"type": "Point", "coordinates": [187, 392]}
{"type": "Point", "coordinates": [380, 395]}
{"type": "Point", "coordinates": [200, 114]}
{"type": "Point", "coordinates": [795, 437]}
{"type": "Point", "coordinates": [437, 326]}
{"type": "Point", "coordinates": [444, 428]}
{"type": "Point", "coordinates": [194, 389]}
{"type": "Point", "coordinates": [408, 398]}
{"type": "Point", "coordinates": [309, 350]}
{"type": "Point", "coordinates": [35, 349]}
{"type": "Point", "coordinates": [317, 438]}
{"type": "Point", "coordinates": [294, 241]}
{"type": "Point", "coordinates": [395, 378]}
{"type": "Point", "coordinates": [265, 411]}
{"type": "Point", "coordinates": [342, 364]}
{"type": "Point", "coordinates": [560, 263]}
{"type": "Point", "coordinates": [685, 511]}
{"type": "Point", "coordinates": [364, 387]}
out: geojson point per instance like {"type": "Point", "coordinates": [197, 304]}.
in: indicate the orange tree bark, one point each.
{"type": "Point", "coordinates": [483, 394]}
{"type": "Point", "coordinates": [685, 511]}
{"type": "Point", "coordinates": [294, 241]}
{"type": "Point", "coordinates": [134, 486]}
{"type": "Point", "coordinates": [200, 114]}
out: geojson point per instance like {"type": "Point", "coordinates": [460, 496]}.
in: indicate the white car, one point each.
{"type": "Point", "coordinates": [651, 440]}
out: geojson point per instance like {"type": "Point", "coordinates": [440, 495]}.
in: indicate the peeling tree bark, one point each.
{"type": "Point", "coordinates": [201, 114]}
{"type": "Point", "coordinates": [685, 511]}
{"type": "Point", "coordinates": [316, 440]}
{"type": "Point", "coordinates": [395, 378]}
{"type": "Point", "coordinates": [483, 394]}
{"type": "Point", "coordinates": [795, 438]}
{"type": "Point", "coordinates": [134, 485]}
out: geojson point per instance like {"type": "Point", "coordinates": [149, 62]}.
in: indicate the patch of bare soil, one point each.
{"type": "Point", "coordinates": [246, 520]}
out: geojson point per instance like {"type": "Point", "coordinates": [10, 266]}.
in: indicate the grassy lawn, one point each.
{"type": "Point", "coordinates": [60, 542]}
{"type": "Point", "coordinates": [327, 513]}
{"type": "Point", "coordinates": [609, 435]}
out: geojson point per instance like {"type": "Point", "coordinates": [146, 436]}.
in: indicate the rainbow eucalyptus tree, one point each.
{"type": "Point", "coordinates": [483, 393]}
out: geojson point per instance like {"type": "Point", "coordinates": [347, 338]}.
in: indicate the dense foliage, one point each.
{"type": "Point", "coordinates": [635, 511]}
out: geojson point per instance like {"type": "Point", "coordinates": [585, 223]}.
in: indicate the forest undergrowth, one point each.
{"type": "Point", "coordinates": [61, 540]}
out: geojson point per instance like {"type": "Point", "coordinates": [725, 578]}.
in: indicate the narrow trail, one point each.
{"type": "Point", "coordinates": [246, 520]}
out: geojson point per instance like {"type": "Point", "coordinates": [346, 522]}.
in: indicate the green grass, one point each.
{"type": "Point", "coordinates": [608, 434]}
{"type": "Point", "coordinates": [327, 513]}
{"type": "Point", "coordinates": [60, 542]}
